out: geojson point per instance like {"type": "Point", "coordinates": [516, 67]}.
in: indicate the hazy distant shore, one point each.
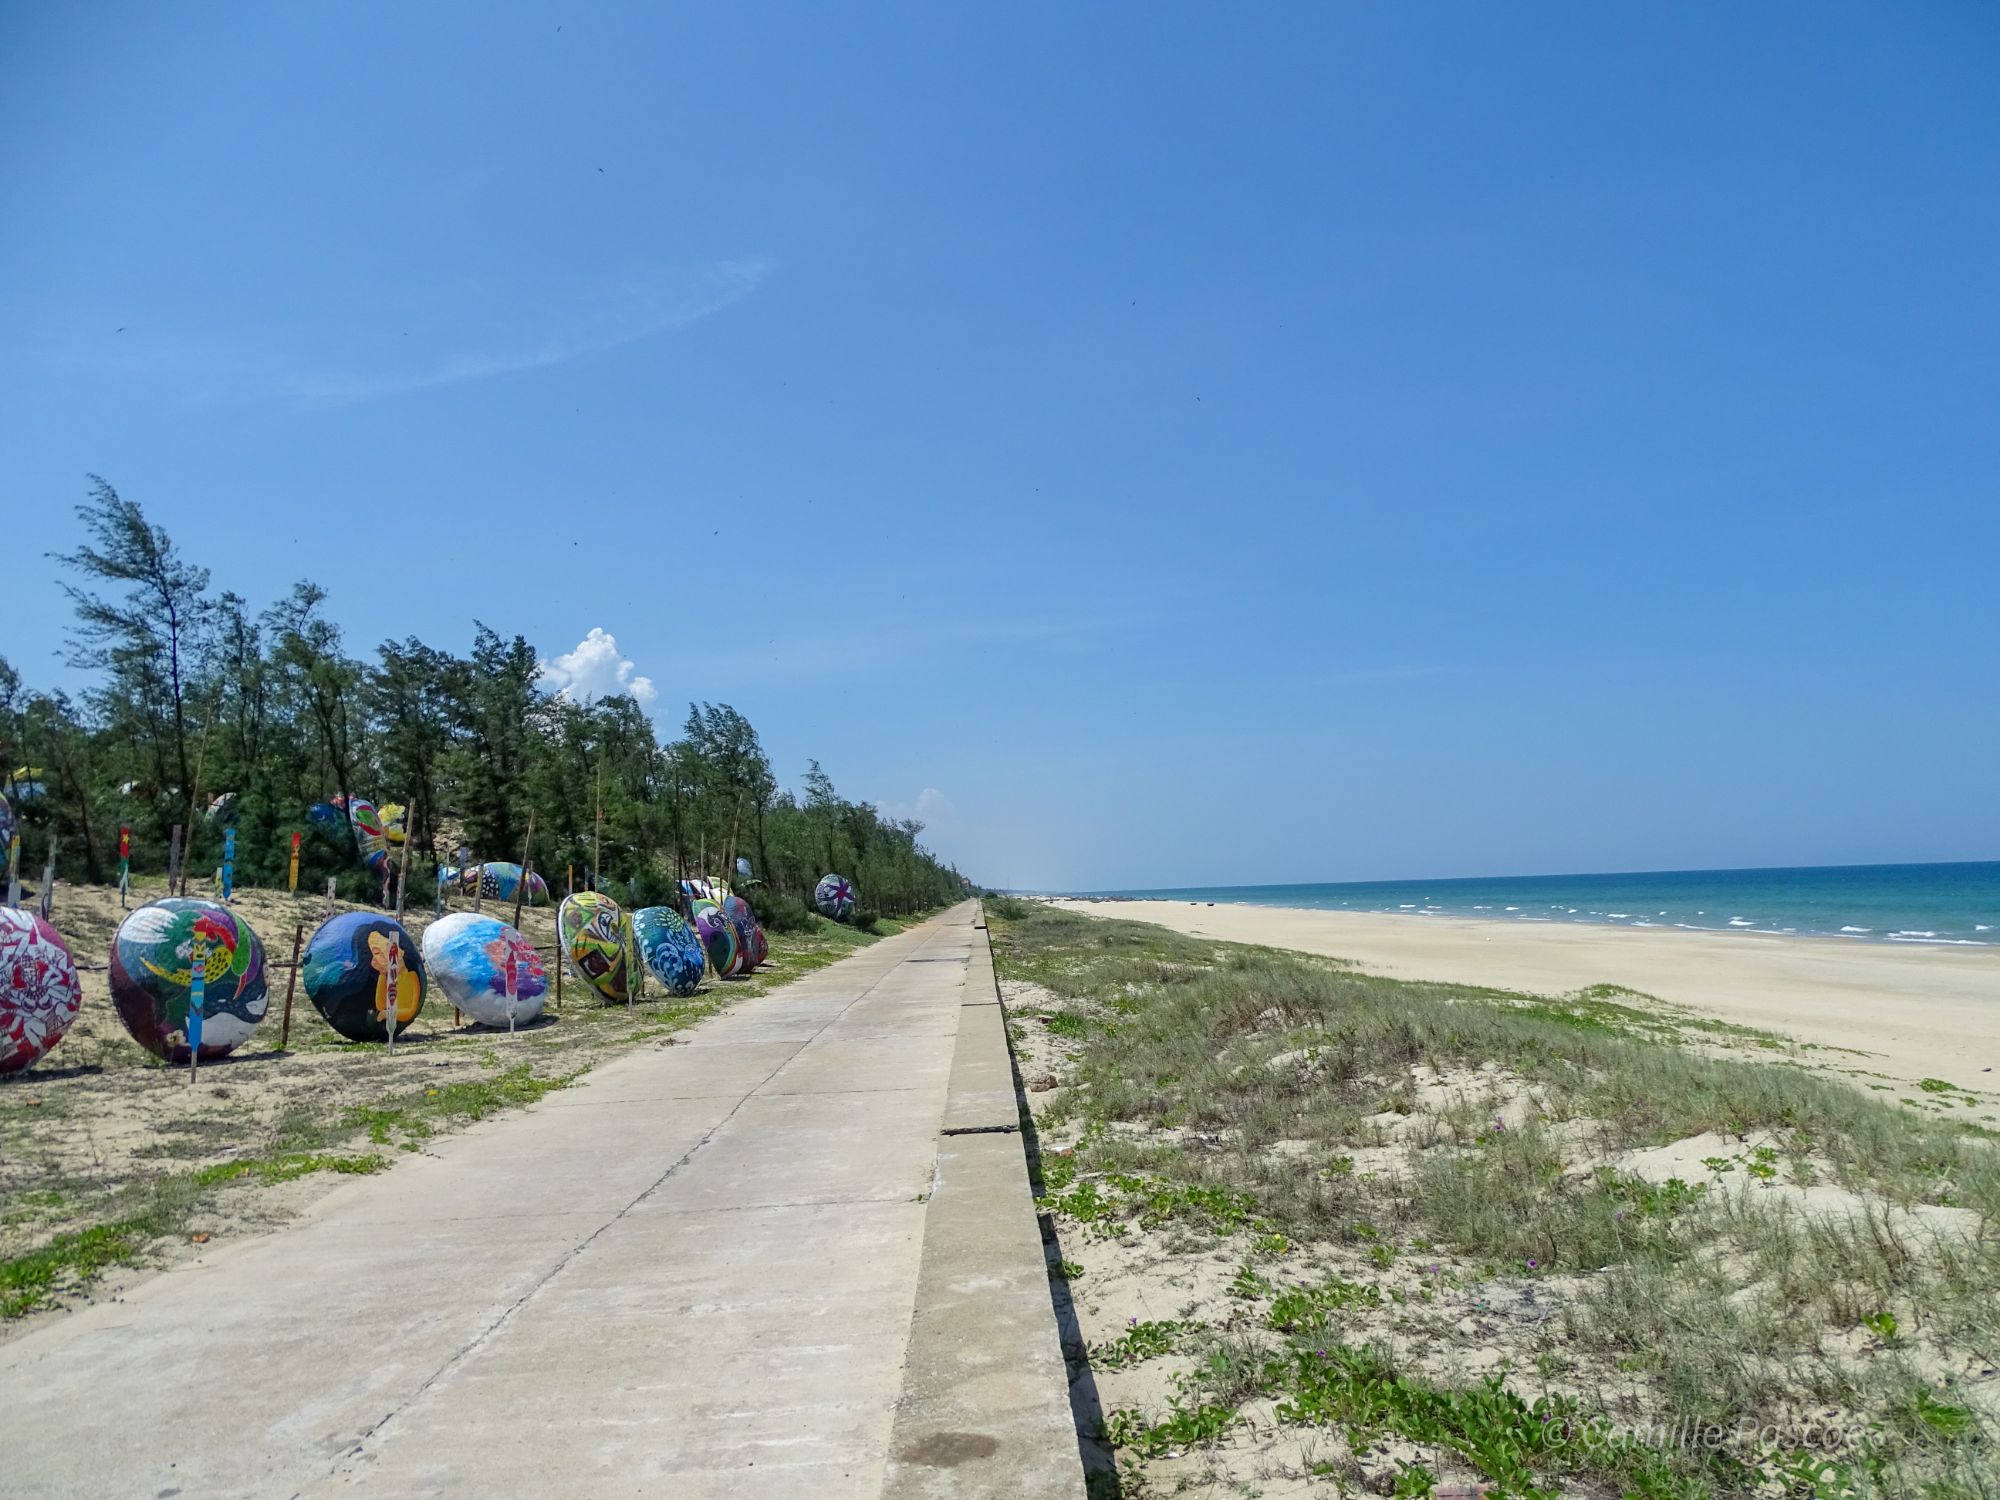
{"type": "Point", "coordinates": [1919, 1012]}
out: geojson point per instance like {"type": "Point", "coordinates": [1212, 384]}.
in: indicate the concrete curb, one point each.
{"type": "Point", "coordinates": [985, 1406]}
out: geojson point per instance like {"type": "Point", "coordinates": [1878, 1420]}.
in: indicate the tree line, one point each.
{"type": "Point", "coordinates": [196, 696]}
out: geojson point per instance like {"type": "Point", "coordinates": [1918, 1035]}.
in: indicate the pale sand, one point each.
{"type": "Point", "coordinates": [1918, 1012]}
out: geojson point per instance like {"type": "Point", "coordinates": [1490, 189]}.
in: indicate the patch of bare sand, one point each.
{"type": "Point", "coordinates": [98, 1123]}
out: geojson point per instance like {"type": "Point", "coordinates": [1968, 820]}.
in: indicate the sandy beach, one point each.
{"type": "Point", "coordinates": [1918, 1012]}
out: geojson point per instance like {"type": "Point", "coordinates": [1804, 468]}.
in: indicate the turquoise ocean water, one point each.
{"type": "Point", "coordinates": [1955, 904]}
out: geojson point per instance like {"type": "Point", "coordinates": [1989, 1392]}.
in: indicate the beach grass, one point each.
{"type": "Point", "coordinates": [1706, 1237]}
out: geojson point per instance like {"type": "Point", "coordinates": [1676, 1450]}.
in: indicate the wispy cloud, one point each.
{"type": "Point", "coordinates": [592, 321]}
{"type": "Point", "coordinates": [883, 644]}
{"type": "Point", "coordinates": [1364, 676]}
{"type": "Point", "coordinates": [622, 315]}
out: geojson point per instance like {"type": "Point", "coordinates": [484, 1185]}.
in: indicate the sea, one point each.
{"type": "Point", "coordinates": [1949, 904]}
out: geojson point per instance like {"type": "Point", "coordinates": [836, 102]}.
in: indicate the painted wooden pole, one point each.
{"type": "Point", "coordinates": [329, 898]}
{"type": "Point", "coordinates": [229, 863]}
{"type": "Point", "coordinates": [197, 996]}
{"type": "Point", "coordinates": [478, 881]}
{"type": "Point", "coordinates": [513, 989]}
{"type": "Point", "coordinates": [292, 873]}
{"type": "Point", "coordinates": [14, 870]}
{"type": "Point", "coordinates": [392, 964]}
{"type": "Point", "coordinates": [560, 966]}
{"type": "Point", "coordinates": [124, 869]}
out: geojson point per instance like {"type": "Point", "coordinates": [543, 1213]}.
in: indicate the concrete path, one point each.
{"type": "Point", "coordinates": [693, 1273]}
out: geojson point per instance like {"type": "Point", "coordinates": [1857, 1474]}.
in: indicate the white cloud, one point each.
{"type": "Point", "coordinates": [595, 669]}
{"type": "Point", "coordinates": [931, 808]}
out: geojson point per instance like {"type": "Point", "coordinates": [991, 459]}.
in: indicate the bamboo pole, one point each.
{"type": "Point", "coordinates": [527, 869]}
{"type": "Point", "coordinates": [403, 871]}
{"type": "Point", "coordinates": [291, 983]}
{"type": "Point", "coordinates": [46, 903]}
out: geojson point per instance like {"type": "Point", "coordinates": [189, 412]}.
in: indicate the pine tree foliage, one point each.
{"type": "Point", "coordinates": [205, 714]}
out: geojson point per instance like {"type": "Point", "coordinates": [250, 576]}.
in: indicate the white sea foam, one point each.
{"type": "Point", "coordinates": [1912, 932]}
{"type": "Point", "coordinates": [1615, 915]}
{"type": "Point", "coordinates": [1741, 922]}
{"type": "Point", "coordinates": [1976, 927]}
{"type": "Point", "coordinates": [1857, 929]}
{"type": "Point", "coordinates": [385, 1007]}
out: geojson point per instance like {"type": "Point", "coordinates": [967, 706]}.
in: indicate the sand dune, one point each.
{"type": "Point", "coordinates": [1918, 1012]}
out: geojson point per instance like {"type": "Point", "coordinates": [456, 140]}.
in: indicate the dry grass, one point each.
{"type": "Point", "coordinates": [109, 1158]}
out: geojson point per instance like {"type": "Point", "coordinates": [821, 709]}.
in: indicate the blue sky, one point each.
{"type": "Point", "coordinates": [1159, 444]}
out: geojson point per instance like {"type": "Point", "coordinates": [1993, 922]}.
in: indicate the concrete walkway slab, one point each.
{"type": "Point", "coordinates": [693, 1273]}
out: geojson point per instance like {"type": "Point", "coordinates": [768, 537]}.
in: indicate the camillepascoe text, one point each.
{"type": "Point", "coordinates": [1829, 1435]}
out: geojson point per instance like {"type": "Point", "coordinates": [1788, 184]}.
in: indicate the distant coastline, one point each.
{"type": "Point", "coordinates": [1928, 905]}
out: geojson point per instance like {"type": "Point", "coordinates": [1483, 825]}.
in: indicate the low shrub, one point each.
{"type": "Point", "coordinates": [784, 913]}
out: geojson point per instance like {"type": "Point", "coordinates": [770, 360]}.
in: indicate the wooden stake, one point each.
{"type": "Point", "coordinates": [291, 983]}
{"type": "Point", "coordinates": [174, 862]}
